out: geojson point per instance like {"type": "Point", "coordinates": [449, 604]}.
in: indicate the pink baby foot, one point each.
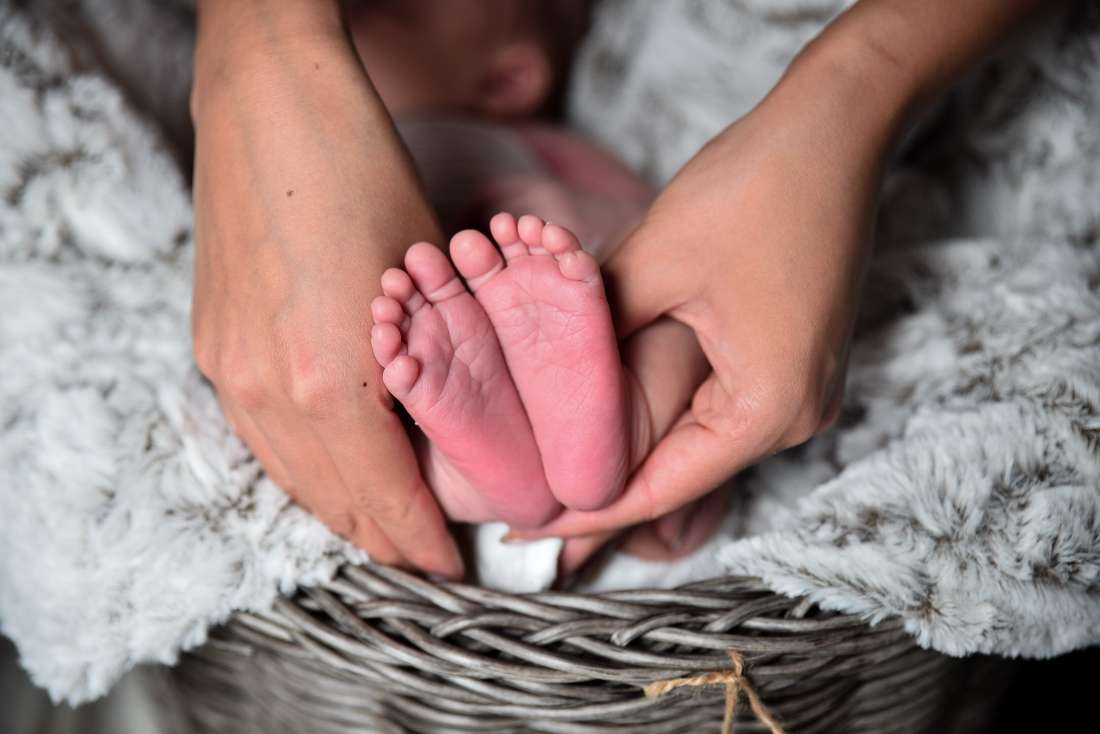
{"type": "Point", "coordinates": [441, 359]}
{"type": "Point", "coordinates": [546, 301]}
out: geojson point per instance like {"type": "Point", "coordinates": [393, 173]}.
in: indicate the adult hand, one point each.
{"type": "Point", "coordinates": [759, 243]}
{"type": "Point", "coordinates": [303, 196]}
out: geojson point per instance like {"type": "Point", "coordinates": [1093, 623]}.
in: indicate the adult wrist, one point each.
{"type": "Point", "coordinates": [883, 61]}
{"type": "Point", "coordinates": [862, 95]}
{"type": "Point", "coordinates": [270, 20]}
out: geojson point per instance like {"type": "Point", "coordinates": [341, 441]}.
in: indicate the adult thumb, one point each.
{"type": "Point", "coordinates": [642, 281]}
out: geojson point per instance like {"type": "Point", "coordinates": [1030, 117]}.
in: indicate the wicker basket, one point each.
{"type": "Point", "coordinates": [380, 650]}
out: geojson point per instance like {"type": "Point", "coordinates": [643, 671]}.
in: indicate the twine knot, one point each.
{"type": "Point", "coordinates": [735, 682]}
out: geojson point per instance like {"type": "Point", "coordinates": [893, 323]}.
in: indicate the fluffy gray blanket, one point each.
{"type": "Point", "coordinates": [961, 491]}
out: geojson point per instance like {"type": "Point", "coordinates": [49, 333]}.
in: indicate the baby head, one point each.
{"type": "Point", "coordinates": [494, 58]}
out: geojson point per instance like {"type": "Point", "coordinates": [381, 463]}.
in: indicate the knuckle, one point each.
{"type": "Point", "coordinates": [244, 387]}
{"type": "Point", "coordinates": [392, 508]}
{"type": "Point", "coordinates": [771, 409]}
{"type": "Point", "coordinates": [731, 416]}
{"type": "Point", "coordinates": [313, 384]}
{"type": "Point", "coordinates": [771, 413]}
{"type": "Point", "coordinates": [652, 505]}
{"type": "Point", "coordinates": [805, 425]}
{"type": "Point", "coordinates": [337, 519]}
{"type": "Point", "coordinates": [335, 514]}
{"type": "Point", "coordinates": [814, 414]}
{"type": "Point", "coordinates": [313, 393]}
{"type": "Point", "coordinates": [204, 351]}
{"type": "Point", "coordinates": [711, 407]}
{"type": "Point", "coordinates": [342, 523]}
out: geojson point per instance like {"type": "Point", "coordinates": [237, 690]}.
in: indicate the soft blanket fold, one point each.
{"type": "Point", "coordinates": [961, 490]}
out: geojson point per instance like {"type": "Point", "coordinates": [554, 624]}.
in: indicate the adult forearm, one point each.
{"type": "Point", "coordinates": [293, 16]}
{"type": "Point", "coordinates": [884, 60]}
{"type": "Point", "coordinates": [923, 45]}
{"type": "Point", "coordinates": [235, 36]}
{"type": "Point", "coordinates": [283, 77]}
{"type": "Point", "coordinates": [304, 195]}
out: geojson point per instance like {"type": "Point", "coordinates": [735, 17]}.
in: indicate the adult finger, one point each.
{"type": "Point", "coordinates": [675, 535]}
{"type": "Point", "coordinates": [375, 460]}
{"type": "Point", "coordinates": [663, 538]}
{"type": "Point", "coordinates": [576, 552]}
{"type": "Point", "coordinates": [642, 282]}
{"type": "Point", "coordinates": [316, 484]}
{"type": "Point", "coordinates": [690, 461]}
{"type": "Point", "coordinates": [247, 430]}
{"type": "Point", "coordinates": [376, 543]}
{"type": "Point", "coordinates": [679, 533]}
{"type": "Point", "coordinates": [665, 366]}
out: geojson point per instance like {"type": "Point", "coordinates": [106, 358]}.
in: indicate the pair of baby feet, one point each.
{"type": "Point", "coordinates": [512, 371]}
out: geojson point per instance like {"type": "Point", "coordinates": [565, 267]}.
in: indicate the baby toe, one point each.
{"type": "Point", "coordinates": [530, 230]}
{"type": "Point", "coordinates": [432, 273]}
{"type": "Point", "coordinates": [505, 230]}
{"type": "Point", "coordinates": [386, 310]}
{"type": "Point", "coordinates": [397, 284]}
{"type": "Point", "coordinates": [400, 375]}
{"type": "Point", "coordinates": [386, 341]}
{"type": "Point", "coordinates": [558, 240]}
{"type": "Point", "coordinates": [475, 257]}
{"type": "Point", "coordinates": [579, 265]}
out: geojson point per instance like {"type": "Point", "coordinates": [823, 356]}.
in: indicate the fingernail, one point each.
{"type": "Point", "coordinates": [687, 527]}
{"type": "Point", "coordinates": [513, 537]}
{"type": "Point", "coordinates": [676, 542]}
{"type": "Point", "coordinates": [672, 530]}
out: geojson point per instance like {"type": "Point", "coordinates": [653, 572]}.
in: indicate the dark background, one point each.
{"type": "Point", "coordinates": [1053, 695]}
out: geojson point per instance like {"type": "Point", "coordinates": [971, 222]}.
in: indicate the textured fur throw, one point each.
{"type": "Point", "coordinates": [961, 490]}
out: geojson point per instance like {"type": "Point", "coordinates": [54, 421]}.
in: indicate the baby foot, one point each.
{"type": "Point", "coordinates": [441, 359]}
{"type": "Point", "coordinates": [546, 301]}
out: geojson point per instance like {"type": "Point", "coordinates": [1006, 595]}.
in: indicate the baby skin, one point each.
{"type": "Point", "coordinates": [518, 385]}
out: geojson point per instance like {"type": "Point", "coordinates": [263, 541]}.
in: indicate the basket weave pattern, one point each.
{"type": "Point", "coordinates": [377, 649]}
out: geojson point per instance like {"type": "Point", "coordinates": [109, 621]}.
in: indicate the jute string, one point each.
{"type": "Point", "coordinates": [735, 682]}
